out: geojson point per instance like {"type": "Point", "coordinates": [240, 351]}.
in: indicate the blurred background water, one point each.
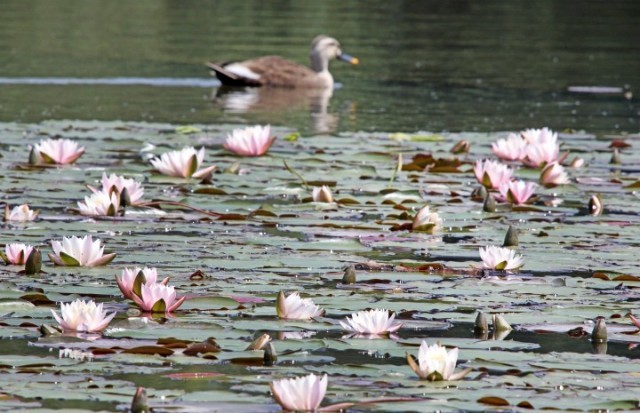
{"type": "Point", "coordinates": [425, 65]}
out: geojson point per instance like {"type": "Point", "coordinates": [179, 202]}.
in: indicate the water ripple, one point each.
{"type": "Point", "coordinates": [113, 81]}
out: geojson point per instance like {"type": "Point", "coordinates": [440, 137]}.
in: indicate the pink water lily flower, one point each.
{"type": "Point", "coordinates": [553, 174]}
{"type": "Point", "coordinates": [184, 163]}
{"type": "Point", "coordinates": [157, 298]}
{"type": "Point", "coordinates": [322, 194]}
{"type": "Point", "coordinates": [427, 221]}
{"type": "Point", "coordinates": [517, 192]}
{"type": "Point", "coordinates": [374, 322]}
{"type": "Point", "coordinates": [436, 363]}
{"type": "Point", "coordinates": [510, 149]}
{"type": "Point", "coordinates": [126, 282]}
{"type": "Point", "coordinates": [251, 141]}
{"type": "Point", "coordinates": [100, 204]}
{"type": "Point", "coordinates": [83, 252]}
{"type": "Point", "coordinates": [83, 316]}
{"type": "Point", "coordinates": [301, 394]}
{"type": "Point", "coordinates": [544, 135]}
{"type": "Point", "coordinates": [21, 213]}
{"type": "Point", "coordinates": [500, 258]}
{"type": "Point", "coordinates": [540, 154]}
{"type": "Point", "coordinates": [492, 174]}
{"type": "Point", "coordinates": [57, 151]}
{"type": "Point", "coordinates": [117, 184]}
{"type": "Point", "coordinates": [292, 307]}
{"type": "Point", "coordinates": [17, 254]}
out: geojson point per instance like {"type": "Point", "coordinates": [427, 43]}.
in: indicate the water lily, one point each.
{"type": "Point", "coordinates": [292, 307]}
{"type": "Point", "coordinates": [544, 135]}
{"type": "Point", "coordinates": [492, 174]}
{"type": "Point", "coordinates": [427, 221]}
{"type": "Point", "coordinates": [553, 174]}
{"type": "Point", "coordinates": [501, 259]}
{"type": "Point", "coordinates": [300, 394]}
{"type": "Point", "coordinates": [375, 322]}
{"type": "Point", "coordinates": [56, 151]}
{"type": "Point", "coordinates": [157, 298]}
{"type": "Point", "coordinates": [21, 213]}
{"type": "Point", "coordinates": [184, 163]}
{"type": "Point", "coordinates": [517, 192]}
{"type": "Point", "coordinates": [83, 252]}
{"type": "Point", "coordinates": [131, 280]}
{"type": "Point", "coordinates": [102, 204]}
{"type": "Point", "coordinates": [16, 254]}
{"type": "Point", "coordinates": [251, 141]}
{"type": "Point", "coordinates": [436, 363]}
{"type": "Point", "coordinates": [117, 184]}
{"type": "Point", "coordinates": [540, 154]}
{"type": "Point", "coordinates": [322, 194]}
{"type": "Point", "coordinates": [83, 316]}
{"type": "Point", "coordinates": [510, 149]}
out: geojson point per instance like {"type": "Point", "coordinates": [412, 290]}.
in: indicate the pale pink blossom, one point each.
{"type": "Point", "coordinates": [292, 307]}
{"type": "Point", "coordinates": [151, 296]}
{"type": "Point", "coordinates": [553, 174]}
{"type": "Point", "coordinates": [184, 163]}
{"type": "Point", "coordinates": [510, 149]}
{"type": "Point", "coordinates": [540, 154]}
{"type": "Point", "coordinates": [102, 204]}
{"type": "Point", "coordinates": [500, 258]}
{"type": "Point", "coordinates": [374, 322]}
{"type": "Point", "coordinates": [435, 362]}
{"type": "Point", "coordinates": [127, 280]}
{"type": "Point", "coordinates": [17, 254]}
{"type": "Point", "coordinates": [492, 174]}
{"type": "Point", "coordinates": [301, 394]}
{"type": "Point", "coordinates": [544, 135]}
{"type": "Point", "coordinates": [21, 213]}
{"type": "Point", "coordinates": [251, 141]}
{"type": "Point", "coordinates": [427, 221]}
{"type": "Point", "coordinates": [116, 184]}
{"type": "Point", "coordinates": [82, 252]}
{"type": "Point", "coordinates": [322, 194]}
{"type": "Point", "coordinates": [57, 151]}
{"type": "Point", "coordinates": [83, 316]}
{"type": "Point", "coordinates": [517, 192]}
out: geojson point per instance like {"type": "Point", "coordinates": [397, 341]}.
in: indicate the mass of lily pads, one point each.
{"type": "Point", "coordinates": [175, 268]}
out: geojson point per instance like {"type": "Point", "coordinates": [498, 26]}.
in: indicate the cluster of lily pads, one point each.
{"type": "Point", "coordinates": [535, 148]}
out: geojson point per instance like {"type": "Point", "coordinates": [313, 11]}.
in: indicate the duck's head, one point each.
{"type": "Point", "coordinates": [324, 49]}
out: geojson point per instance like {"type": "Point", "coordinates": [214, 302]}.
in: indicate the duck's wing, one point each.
{"type": "Point", "coordinates": [230, 77]}
{"type": "Point", "coordinates": [264, 71]}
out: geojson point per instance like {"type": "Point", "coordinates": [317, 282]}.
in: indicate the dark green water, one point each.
{"type": "Point", "coordinates": [425, 65]}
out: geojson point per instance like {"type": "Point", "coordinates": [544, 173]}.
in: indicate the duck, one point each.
{"type": "Point", "coordinates": [274, 71]}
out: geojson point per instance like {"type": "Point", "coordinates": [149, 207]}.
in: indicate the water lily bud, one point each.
{"type": "Point", "coordinates": [34, 159]}
{"type": "Point", "coordinates": [595, 205]}
{"type": "Point", "coordinates": [577, 162]}
{"type": "Point", "coordinates": [259, 343]}
{"type": "Point", "coordinates": [125, 198]}
{"type": "Point", "coordinates": [349, 276]}
{"type": "Point", "coordinates": [615, 158]}
{"type": "Point", "coordinates": [140, 404]}
{"type": "Point", "coordinates": [489, 204]}
{"type": "Point", "coordinates": [511, 239]}
{"type": "Point", "coordinates": [270, 356]}
{"type": "Point", "coordinates": [47, 330]}
{"type": "Point", "coordinates": [480, 193]}
{"type": "Point", "coordinates": [234, 168]}
{"type": "Point", "coordinates": [461, 146]}
{"type": "Point", "coordinates": [599, 348]}
{"type": "Point", "coordinates": [481, 324]}
{"type": "Point", "coordinates": [34, 263]}
{"type": "Point", "coordinates": [500, 324]}
{"type": "Point", "coordinates": [599, 333]}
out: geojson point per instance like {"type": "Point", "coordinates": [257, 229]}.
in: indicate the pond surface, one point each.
{"type": "Point", "coordinates": [126, 81]}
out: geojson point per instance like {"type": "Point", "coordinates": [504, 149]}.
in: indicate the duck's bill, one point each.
{"type": "Point", "coordinates": [349, 59]}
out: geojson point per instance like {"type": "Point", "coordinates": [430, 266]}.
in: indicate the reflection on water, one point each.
{"type": "Point", "coordinates": [278, 100]}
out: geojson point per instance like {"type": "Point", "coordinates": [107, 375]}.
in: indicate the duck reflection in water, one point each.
{"type": "Point", "coordinates": [284, 85]}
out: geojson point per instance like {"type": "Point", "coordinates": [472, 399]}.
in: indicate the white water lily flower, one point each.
{"type": "Point", "coordinates": [292, 307]}
{"type": "Point", "coordinates": [101, 204]}
{"type": "Point", "coordinates": [436, 363]}
{"type": "Point", "coordinates": [57, 151]}
{"type": "Point", "coordinates": [517, 192]}
{"type": "Point", "coordinates": [21, 213]}
{"type": "Point", "coordinates": [510, 149]}
{"type": "Point", "coordinates": [300, 394]}
{"type": "Point", "coordinates": [375, 322]}
{"type": "Point", "coordinates": [544, 135]}
{"type": "Point", "coordinates": [117, 184]}
{"type": "Point", "coordinates": [322, 194]}
{"type": "Point", "coordinates": [76, 251]}
{"type": "Point", "coordinates": [251, 141]}
{"type": "Point", "coordinates": [17, 254]}
{"type": "Point", "coordinates": [127, 280]}
{"type": "Point", "coordinates": [184, 163]}
{"type": "Point", "coordinates": [427, 221]}
{"type": "Point", "coordinates": [553, 174]}
{"type": "Point", "coordinates": [499, 258]}
{"type": "Point", "coordinates": [492, 174]}
{"type": "Point", "coordinates": [83, 316]}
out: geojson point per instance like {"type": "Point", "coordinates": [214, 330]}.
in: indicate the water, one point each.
{"type": "Point", "coordinates": [428, 65]}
